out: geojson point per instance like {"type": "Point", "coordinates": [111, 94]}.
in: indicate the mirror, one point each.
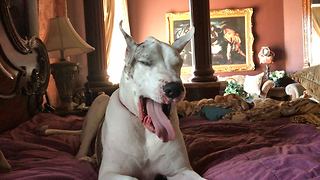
{"type": "Point", "coordinates": [311, 23]}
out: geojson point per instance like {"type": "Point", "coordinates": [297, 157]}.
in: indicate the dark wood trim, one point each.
{"type": "Point", "coordinates": [28, 63]}
{"type": "Point", "coordinates": [200, 44]}
{"type": "Point", "coordinates": [95, 36]}
{"type": "Point", "coordinates": [198, 90]}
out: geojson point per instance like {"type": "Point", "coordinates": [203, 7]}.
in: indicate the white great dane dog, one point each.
{"type": "Point", "coordinates": [140, 135]}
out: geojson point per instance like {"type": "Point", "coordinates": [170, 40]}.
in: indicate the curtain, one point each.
{"type": "Point", "coordinates": [315, 36]}
{"type": "Point", "coordinates": [115, 41]}
{"type": "Point", "coordinates": [315, 19]}
{"type": "Point", "coordinates": [109, 13]}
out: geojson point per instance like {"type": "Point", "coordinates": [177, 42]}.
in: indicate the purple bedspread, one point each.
{"type": "Point", "coordinates": [35, 157]}
{"type": "Point", "coordinates": [269, 150]}
{"type": "Point", "coordinates": [273, 149]}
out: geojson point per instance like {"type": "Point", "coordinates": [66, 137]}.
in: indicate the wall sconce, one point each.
{"type": "Point", "coordinates": [63, 41]}
{"type": "Point", "coordinates": [266, 57]}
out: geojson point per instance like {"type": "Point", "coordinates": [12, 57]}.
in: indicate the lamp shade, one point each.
{"type": "Point", "coordinates": [266, 55]}
{"type": "Point", "coordinates": [63, 37]}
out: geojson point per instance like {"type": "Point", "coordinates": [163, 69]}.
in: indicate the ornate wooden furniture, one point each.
{"type": "Point", "coordinates": [24, 71]}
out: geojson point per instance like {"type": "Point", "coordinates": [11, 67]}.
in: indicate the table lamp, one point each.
{"type": "Point", "coordinates": [266, 57]}
{"type": "Point", "coordinates": [61, 42]}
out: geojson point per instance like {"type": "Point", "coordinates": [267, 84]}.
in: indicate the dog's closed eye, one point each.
{"type": "Point", "coordinates": [145, 63]}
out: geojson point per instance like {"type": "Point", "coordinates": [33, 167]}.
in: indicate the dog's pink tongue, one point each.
{"type": "Point", "coordinates": [160, 121]}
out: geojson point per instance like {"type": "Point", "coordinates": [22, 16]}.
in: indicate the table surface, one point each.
{"type": "Point", "coordinates": [278, 93]}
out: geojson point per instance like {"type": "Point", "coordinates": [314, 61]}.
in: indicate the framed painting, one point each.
{"type": "Point", "coordinates": [231, 39]}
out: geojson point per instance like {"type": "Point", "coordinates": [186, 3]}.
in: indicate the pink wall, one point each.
{"type": "Point", "coordinates": [147, 18]}
{"type": "Point", "coordinates": [293, 39]}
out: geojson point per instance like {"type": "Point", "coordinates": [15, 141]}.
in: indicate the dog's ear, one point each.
{"type": "Point", "coordinates": [130, 42]}
{"type": "Point", "coordinates": [183, 41]}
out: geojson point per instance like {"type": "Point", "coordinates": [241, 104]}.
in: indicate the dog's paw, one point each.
{"type": "Point", "coordinates": [92, 159]}
{"type": "Point", "coordinates": [42, 130]}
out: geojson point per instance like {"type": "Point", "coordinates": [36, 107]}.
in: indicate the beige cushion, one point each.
{"type": "Point", "coordinates": [252, 84]}
{"type": "Point", "coordinates": [238, 78]}
{"type": "Point", "coordinates": [309, 78]}
{"type": "Point", "coordinates": [295, 90]}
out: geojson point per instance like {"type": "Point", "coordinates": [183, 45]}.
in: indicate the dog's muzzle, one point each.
{"type": "Point", "coordinates": [156, 116]}
{"type": "Point", "coordinates": [173, 89]}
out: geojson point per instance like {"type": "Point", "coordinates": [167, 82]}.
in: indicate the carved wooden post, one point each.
{"type": "Point", "coordinates": [95, 36]}
{"type": "Point", "coordinates": [200, 44]}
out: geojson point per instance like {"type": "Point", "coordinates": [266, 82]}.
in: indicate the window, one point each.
{"type": "Point", "coordinates": [118, 44]}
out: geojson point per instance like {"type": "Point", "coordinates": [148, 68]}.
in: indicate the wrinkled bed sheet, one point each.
{"type": "Point", "coordinates": [273, 149]}
{"type": "Point", "coordinates": [264, 150]}
{"type": "Point", "coordinates": [36, 157]}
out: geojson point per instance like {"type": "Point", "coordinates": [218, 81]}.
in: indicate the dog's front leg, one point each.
{"type": "Point", "coordinates": [114, 176]}
{"type": "Point", "coordinates": [186, 174]}
{"type": "Point", "coordinates": [91, 124]}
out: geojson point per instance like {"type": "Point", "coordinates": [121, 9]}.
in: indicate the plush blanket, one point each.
{"type": "Point", "coordinates": [300, 110]}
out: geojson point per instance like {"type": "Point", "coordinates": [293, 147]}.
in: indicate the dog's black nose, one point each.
{"type": "Point", "coordinates": [173, 89]}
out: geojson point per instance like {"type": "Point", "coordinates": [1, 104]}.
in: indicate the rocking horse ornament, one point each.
{"type": "Point", "coordinates": [266, 57]}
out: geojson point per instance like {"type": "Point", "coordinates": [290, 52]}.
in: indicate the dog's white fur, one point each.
{"type": "Point", "coordinates": [130, 150]}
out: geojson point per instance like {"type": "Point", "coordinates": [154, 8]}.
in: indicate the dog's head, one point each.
{"type": "Point", "coordinates": [152, 75]}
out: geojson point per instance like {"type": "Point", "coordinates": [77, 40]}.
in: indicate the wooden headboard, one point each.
{"type": "Point", "coordinates": [24, 73]}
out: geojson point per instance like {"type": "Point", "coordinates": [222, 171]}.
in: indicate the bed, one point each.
{"type": "Point", "coordinates": [226, 137]}
{"type": "Point", "coordinates": [253, 148]}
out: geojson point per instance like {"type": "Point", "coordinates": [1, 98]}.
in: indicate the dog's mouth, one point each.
{"type": "Point", "coordinates": [155, 117]}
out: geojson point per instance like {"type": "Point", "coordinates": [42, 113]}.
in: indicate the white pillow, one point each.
{"type": "Point", "coordinates": [252, 84]}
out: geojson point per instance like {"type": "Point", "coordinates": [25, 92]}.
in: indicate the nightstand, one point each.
{"type": "Point", "coordinates": [76, 112]}
{"type": "Point", "coordinates": [278, 93]}
{"type": "Point", "coordinates": [199, 90]}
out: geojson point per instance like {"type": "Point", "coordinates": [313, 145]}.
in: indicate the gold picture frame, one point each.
{"type": "Point", "coordinates": [231, 39]}
{"type": "Point", "coordinates": [307, 31]}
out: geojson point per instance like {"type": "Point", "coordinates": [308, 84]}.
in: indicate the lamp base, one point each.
{"type": "Point", "coordinates": [63, 73]}
{"type": "Point", "coordinates": [267, 70]}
